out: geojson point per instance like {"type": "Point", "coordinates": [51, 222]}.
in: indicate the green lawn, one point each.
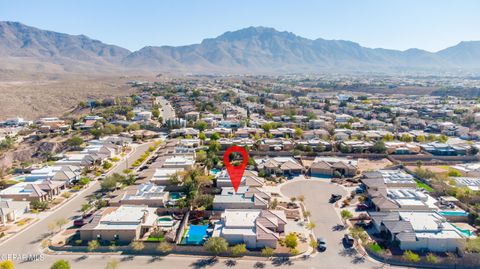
{"type": "Point", "coordinates": [375, 247]}
{"type": "Point", "coordinates": [423, 186]}
{"type": "Point", "coordinates": [156, 239]}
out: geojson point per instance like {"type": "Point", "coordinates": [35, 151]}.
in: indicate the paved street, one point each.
{"type": "Point", "coordinates": [166, 110]}
{"type": "Point", "coordinates": [28, 240]}
{"type": "Point", "coordinates": [316, 199]}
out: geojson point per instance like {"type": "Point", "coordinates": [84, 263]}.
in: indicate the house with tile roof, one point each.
{"type": "Point", "coordinates": [418, 231]}
{"type": "Point", "coordinates": [253, 227]}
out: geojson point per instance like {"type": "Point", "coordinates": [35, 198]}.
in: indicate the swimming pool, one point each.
{"type": "Point", "coordinates": [454, 213]}
{"type": "Point", "coordinates": [196, 234]}
{"type": "Point", "coordinates": [467, 233]}
{"type": "Point", "coordinates": [215, 171]}
{"type": "Point", "coordinates": [176, 195]}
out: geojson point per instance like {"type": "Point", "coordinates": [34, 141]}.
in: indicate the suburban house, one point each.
{"type": "Point", "coordinates": [275, 144]}
{"type": "Point", "coordinates": [473, 183]}
{"type": "Point", "coordinates": [184, 162]}
{"type": "Point", "coordinates": [398, 147]}
{"type": "Point", "coordinates": [250, 179]}
{"type": "Point", "coordinates": [244, 198]}
{"type": "Point", "coordinates": [468, 169]}
{"type": "Point", "coordinates": [394, 199]}
{"type": "Point", "coordinates": [162, 175]}
{"type": "Point", "coordinates": [80, 159]}
{"type": "Point", "coordinates": [29, 191]}
{"type": "Point", "coordinates": [330, 166]}
{"type": "Point", "coordinates": [148, 194]}
{"type": "Point", "coordinates": [286, 166]}
{"type": "Point", "coordinates": [442, 149]}
{"type": "Point", "coordinates": [253, 227]}
{"type": "Point", "coordinates": [120, 224]}
{"type": "Point", "coordinates": [388, 178]}
{"type": "Point", "coordinates": [11, 211]}
{"type": "Point", "coordinates": [418, 231]}
{"type": "Point", "coordinates": [66, 173]}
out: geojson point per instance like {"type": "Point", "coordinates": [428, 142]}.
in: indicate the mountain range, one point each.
{"type": "Point", "coordinates": [249, 50]}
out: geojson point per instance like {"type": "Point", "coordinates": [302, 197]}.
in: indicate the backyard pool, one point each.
{"type": "Point", "coordinates": [215, 171]}
{"type": "Point", "coordinates": [176, 195]}
{"type": "Point", "coordinates": [196, 234]}
{"type": "Point", "coordinates": [165, 221]}
{"type": "Point", "coordinates": [454, 213]}
{"type": "Point", "coordinates": [466, 232]}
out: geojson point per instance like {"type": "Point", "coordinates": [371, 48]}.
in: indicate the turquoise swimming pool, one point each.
{"type": "Point", "coordinates": [454, 213]}
{"type": "Point", "coordinates": [176, 195]}
{"type": "Point", "coordinates": [467, 233]}
{"type": "Point", "coordinates": [215, 171]}
{"type": "Point", "coordinates": [196, 234]}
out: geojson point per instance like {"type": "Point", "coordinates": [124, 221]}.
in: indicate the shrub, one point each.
{"type": "Point", "coordinates": [107, 165]}
{"type": "Point", "coordinates": [78, 242]}
{"type": "Point", "coordinates": [93, 245]}
{"type": "Point", "coordinates": [83, 181]}
{"type": "Point", "coordinates": [39, 205]}
{"type": "Point", "coordinates": [7, 264]}
{"type": "Point", "coordinates": [346, 214]}
{"type": "Point", "coordinates": [291, 240]}
{"type": "Point", "coordinates": [216, 245]}
{"type": "Point", "coordinates": [410, 256]}
{"type": "Point", "coordinates": [239, 249]}
{"type": "Point", "coordinates": [267, 252]}
{"type": "Point", "coordinates": [115, 159]}
{"type": "Point", "coordinates": [164, 247]}
{"type": "Point", "coordinates": [61, 264]}
{"type": "Point", "coordinates": [137, 245]}
{"type": "Point", "coordinates": [431, 258]}
{"type": "Point", "coordinates": [66, 195]}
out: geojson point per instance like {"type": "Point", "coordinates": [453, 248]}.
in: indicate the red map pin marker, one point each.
{"type": "Point", "coordinates": [235, 172]}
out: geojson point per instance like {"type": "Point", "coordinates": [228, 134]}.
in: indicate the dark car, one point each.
{"type": "Point", "coordinates": [361, 207]}
{"type": "Point", "coordinates": [348, 240]}
{"type": "Point", "coordinates": [363, 224]}
{"type": "Point", "coordinates": [321, 244]}
{"type": "Point", "coordinates": [82, 220]}
{"type": "Point", "coordinates": [334, 198]}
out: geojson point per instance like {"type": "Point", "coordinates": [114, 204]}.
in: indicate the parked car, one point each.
{"type": "Point", "coordinates": [334, 198]}
{"type": "Point", "coordinates": [321, 244]}
{"type": "Point", "coordinates": [82, 220]}
{"type": "Point", "coordinates": [359, 190]}
{"type": "Point", "coordinates": [348, 240]}
{"type": "Point", "coordinates": [363, 224]}
{"type": "Point", "coordinates": [361, 207]}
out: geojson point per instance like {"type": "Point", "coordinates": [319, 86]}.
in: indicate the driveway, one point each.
{"type": "Point", "coordinates": [323, 214]}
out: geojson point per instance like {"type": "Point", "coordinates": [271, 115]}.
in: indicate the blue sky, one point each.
{"type": "Point", "coordinates": [395, 24]}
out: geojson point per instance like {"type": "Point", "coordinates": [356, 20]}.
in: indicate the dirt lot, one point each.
{"type": "Point", "coordinates": [53, 95]}
{"type": "Point", "coordinates": [372, 165]}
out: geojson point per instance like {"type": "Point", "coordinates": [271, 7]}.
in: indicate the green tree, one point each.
{"type": "Point", "coordinates": [130, 115]}
{"type": "Point", "coordinates": [216, 245]}
{"type": "Point", "coordinates": [239, 250]}
{"type": "Point", "coordinates": [60, 264]}
{"type": "Point", "coordinates": [298, 132]}
{"type": "Point", "coordinates": [202, 136]}
{"type": "Point", "coordinates": [291, 240]}
{"type": "Point", "coordinates": [388, 137]}
{"type": "Point", "coordinates": [156, 113]}
{"type": "Point", "coordinates": [133, 127]}
{"type": "Point", "coordinates": [379, 147]}
{"type": "Point", "coordinates": [406, 138]}
{"type": "Point", "coordinates": [75, 141]}
{"type": "Point", "coordinates": [201, 126]}
{"type": "Point", "coordinates": [346, 214]}
{"type": "Point", "coordinates": [215, 136]}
